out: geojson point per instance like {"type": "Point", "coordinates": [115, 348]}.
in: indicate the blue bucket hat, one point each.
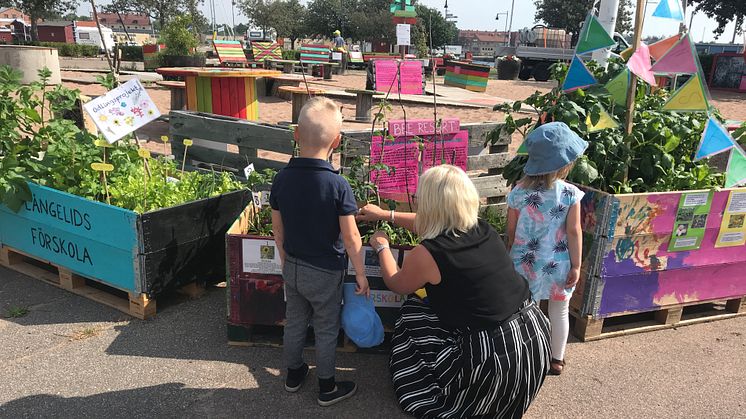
{"type": "Point", "coordinates": [551, 147]}
{"type": "Point", "coordinates": [360, 321]}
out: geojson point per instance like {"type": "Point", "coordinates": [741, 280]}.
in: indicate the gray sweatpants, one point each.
{"type": "Point", "coordinates": [313, 294]}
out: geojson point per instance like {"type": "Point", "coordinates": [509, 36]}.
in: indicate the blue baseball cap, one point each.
{"type": "Point", "coordinates": [360, 321]}
{"type": "Point", "coordinates": [551, 147]}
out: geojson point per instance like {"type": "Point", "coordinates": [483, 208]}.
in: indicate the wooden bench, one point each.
{"type": "Point", "coordinates": [288, 66]}
{"type": "Point", "coordinates": [300, 96]}
{"type": "Point", "coordinates": [178, 93]}
{"type": "Point", "coordinates": [281, 81]}
{"type": "Point", "coordinates": [363, 103]}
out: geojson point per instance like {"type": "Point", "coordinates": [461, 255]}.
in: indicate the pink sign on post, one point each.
{"type": "Point", "coordinates": [402, 157]}
{"type": "Point", "coordinates": [451, 149]}
{"type": "Point", "coordinates": [420, 127]}
{"type": "Point", "coordinates": [743, 84]}
{"type": "Point", "coordinates": [393, 76]}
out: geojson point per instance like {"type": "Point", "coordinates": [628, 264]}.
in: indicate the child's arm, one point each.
{"type": "Point", "coordinates": [279, 233]}
{"type": "Point", "coordinates": [574, 243]}
{"type": "Point", "coordinates": [354, 246]}
{"type": "Point", "coordinates": [512, 222]}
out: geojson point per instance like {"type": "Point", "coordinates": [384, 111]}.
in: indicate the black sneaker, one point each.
{"type": "Point", "coordinates": [343, 390]}
{"type": "Point", "coordinates": [296, 378]}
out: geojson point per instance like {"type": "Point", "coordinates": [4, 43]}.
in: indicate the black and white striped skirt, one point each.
{"type": "Point", "coordinates": [440, 373]}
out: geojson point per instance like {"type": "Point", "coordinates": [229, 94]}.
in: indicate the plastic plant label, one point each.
{"type": "Point", "coordinates": [187, 142]}
{"type": "Point", "coordinates": [248, 170]}
{"type": "Point", "coordinates": [102, 167]}
{"type": "Point", "coordinates": [145, 154]}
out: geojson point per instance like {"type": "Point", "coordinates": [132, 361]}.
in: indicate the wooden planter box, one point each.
{"type": "Point", "coordinates": [256, 289]}
{"type": "Point", "coordinates": [628, 268]}
{"type": "Point", "coordinates": [139, 254]}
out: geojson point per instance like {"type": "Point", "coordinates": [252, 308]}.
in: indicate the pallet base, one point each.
{"type": "Point", "coordinates": [588, 329]}
{"type": "Point", "coordinates": [136, 305]}
{"type": "Point", "coordinates": [271, 337]}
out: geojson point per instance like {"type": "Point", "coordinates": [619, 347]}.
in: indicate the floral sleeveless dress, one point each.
{"type": "Point", "coordinates": [540, 251]}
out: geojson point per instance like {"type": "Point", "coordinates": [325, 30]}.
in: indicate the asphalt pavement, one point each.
{"type": "Point", "coordinates": [68, 357]}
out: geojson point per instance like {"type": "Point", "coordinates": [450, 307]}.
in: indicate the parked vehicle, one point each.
{"type": "Point", "coordinates": [85, 35]}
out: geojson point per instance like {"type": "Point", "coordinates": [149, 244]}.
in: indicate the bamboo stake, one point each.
{"type": "Point", "coordinates": [103, 40]}
{"type": "Point", "coordinates": [631, 93]}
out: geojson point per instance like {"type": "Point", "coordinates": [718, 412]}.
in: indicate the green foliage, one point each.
{"type": "Point", "coordinates": [131, 52]}
{"type": "Point", "coordinates": [494, 217]}
{"type": "Point", "coordinates": [724, 12]}
{"type": "Point", "coordinates": [656, 157]}
{"type": "Point", "coordinates": [54, 152]}
{"type": "Point", "coordinates": [16, 312]}
{"type": "Point", "coordinates": [570, 15]}
{"type": "Point", "coordinates": [431, 21]}
{"type": "Point", "coordinates": [177, 36]}
{"type": "Point", "coordinates": [290, 55]}
{"type": "Point", "coordinates": [73, 50]}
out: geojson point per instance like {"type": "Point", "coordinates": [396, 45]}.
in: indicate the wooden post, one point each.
{"type": "Point", "coordinates": [639, 18]}
{"type": "Point", "coordinates": [103, 40]}
{"type": "Point", "coordinates": [362, 106]}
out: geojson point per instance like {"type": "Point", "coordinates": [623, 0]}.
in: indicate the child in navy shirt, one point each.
{"type": "Point", "coordinates": [313, 219]}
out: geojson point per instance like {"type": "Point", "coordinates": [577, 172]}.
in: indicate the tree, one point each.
{"type": "Point", "coordinates": [43, 9]}
{"type": "Point", "coordinates": [241, 29]}
{"type": "Point", "coordinates": [258, 11]}
{"type": "Point", "coordinates": [326, 16]}
{"type": "Point", "coordinates": [432, 22]}
{"type": "Point", "coordinates": [570, 15]}
{"type": "Point", "coordinates": [724, 12]}
{"type": "Point", "coordinates": [370, 20]}
{"type": "Point", "coordinates": [73, 16]}
{"type": "Point", "coordinates": [288, 18]}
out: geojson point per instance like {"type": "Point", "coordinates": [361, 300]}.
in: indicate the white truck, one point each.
{"type": "Point", "coordinates": [540, 47]}
{"type": "Point", "coordinates": [85, 35]}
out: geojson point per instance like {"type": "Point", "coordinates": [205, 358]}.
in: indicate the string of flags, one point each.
{"type": "Point", "coordinates": [670, 57]}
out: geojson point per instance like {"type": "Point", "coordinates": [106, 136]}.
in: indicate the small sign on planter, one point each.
{"type": "Point", "coordinates": [261, 256]}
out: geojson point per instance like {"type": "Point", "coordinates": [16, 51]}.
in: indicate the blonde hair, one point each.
{"type": "Point", "coordinates": [447, 202]}
{"type": "Point", "coordinates": [546, 180]}
{"type": "Point", "coordinates": [319, 122]}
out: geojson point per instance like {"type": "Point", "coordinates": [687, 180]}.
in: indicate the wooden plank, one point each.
{"type": "Point", "coordinates": [488, 161]}
{"type": "Point", "coordinates": [490, 186]}
{"type": "Point", "coordinates": [234, 161]}
{"type": "Point", "coordinates": [231, 131]}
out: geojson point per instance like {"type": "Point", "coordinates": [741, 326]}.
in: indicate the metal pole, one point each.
{"type": "Point", "coordinates": [607, 16]}
{"type": "Point", "coordinates": [510, 25]}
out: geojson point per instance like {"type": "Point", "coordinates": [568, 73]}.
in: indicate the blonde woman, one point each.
{"type": "Point", "coordinates": [477, 345]}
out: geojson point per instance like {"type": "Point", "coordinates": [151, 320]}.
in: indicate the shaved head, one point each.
{"type": "Point", "coordinates": [319, 123]}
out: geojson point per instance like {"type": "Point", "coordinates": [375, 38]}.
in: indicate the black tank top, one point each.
{"type": "Point", "coordinates": [478, 286]}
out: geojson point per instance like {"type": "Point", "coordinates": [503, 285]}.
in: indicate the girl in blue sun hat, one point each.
{"type": "Point", "coordinates": [544, 235]}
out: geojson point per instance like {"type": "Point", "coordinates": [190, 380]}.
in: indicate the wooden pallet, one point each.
{"type": "Point", "coordinates": [136, 305]}
{"type": "Point", "coordinates": [588, 329]}
{"type": "Point", "coordinates": [271, 337]}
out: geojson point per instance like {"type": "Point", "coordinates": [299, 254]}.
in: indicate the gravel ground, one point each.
{"type": "Point", "coordinates": [70, 357]}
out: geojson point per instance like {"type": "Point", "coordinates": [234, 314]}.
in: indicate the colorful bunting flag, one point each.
{"type": "Point", "coordinates": [691, 97]}
{"type": "Point", "coordinates": [618, 87]}
{"type": "Point", "coordinates": [669, 9]}
{"type": "Point", "coordinates": [522, 150]}
{"type": "Point", "coordinates": [735, 174]}
{"type": "Point", "coordinates": [639, 64]}
{"type": "Point", "coordinates": [680, 59]}
{"type": "Point", "coordinates": [604, 122]}
{"type": "Point", "coordinates": [578, 76]}
{"type": "Point", "coordinates": [660, 48]}
{"type": "Point", "coordinates": [593, 36]}
{"type": "Point", "coordinates": [715, 140]}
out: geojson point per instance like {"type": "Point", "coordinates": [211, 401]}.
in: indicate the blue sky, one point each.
{"type": "Point", "coordinates": [480, 14]}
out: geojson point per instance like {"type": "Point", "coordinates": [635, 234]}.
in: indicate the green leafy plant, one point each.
{"type": "Point", "coordinates": [16, 312]}
{"type": "Point", "coordinates": [656, 156]}
{"type": "Point", "coordinates": [178, 37]}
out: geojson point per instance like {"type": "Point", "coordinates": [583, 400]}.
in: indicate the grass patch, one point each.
{"type": "Point", "coordinates": [86, 333]}
{"type": "Point", "coordinates": [16, 312]}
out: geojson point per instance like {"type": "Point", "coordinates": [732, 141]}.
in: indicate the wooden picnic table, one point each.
{"type": "Point", "coordinates": [178, 93]}
{"type": "Point", "coordinates": [300, 96]}
{"type": "Point", "coordinates": [222, 91]}
{"type": "Point", "coordinates": [363, 103]}
{"type": "Point", "coordinates": [288, 66]}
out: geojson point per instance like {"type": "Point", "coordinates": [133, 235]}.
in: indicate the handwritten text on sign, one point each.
{"type": "Point", "coordinates": [122, 110]}
{"type": "Point", "coordinates": [423, 127]}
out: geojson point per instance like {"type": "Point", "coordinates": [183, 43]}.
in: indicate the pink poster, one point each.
{"type": "Point", "coordinates": [402, 157]}
{"type": "Point", "coordinates": [420, 127]}
{"type": "Point", "coordinates": [409, 78]}
{"type": "Point", "coordinates": [450, 149]}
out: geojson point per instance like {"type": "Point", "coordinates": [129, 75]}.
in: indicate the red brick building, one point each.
{"type": "Point", "coordinates": [61, 31]}
{"type": "Point", "coordinates": [13, 13]}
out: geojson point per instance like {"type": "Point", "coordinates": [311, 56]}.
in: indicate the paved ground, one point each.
{"type": "Point", "coordinates": [70, 357]}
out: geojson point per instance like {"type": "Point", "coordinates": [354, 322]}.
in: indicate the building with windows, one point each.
{"type": "Point", "coordinates": [128, 27]}
{"type": "Point", "coordinates": [11, 14]}
{"type": "Point", "coordinates": [482, 42]}
{"type": "Point", "coordinates": [56, 31]}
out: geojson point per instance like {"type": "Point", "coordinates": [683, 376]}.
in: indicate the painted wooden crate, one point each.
{"type": "Point", "coordinates": [467, 76]}
{"type": "Point", "coordinates": [256, 289]}
{"type": "Point", "coordinates": [628, 267]}
{"type": "Point", "coordinates": [140, 254]}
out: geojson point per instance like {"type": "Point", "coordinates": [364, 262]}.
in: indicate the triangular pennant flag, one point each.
{"type": "Point", "coordinates": [678, 60]}
{"type": "Point", "coordinates": [593, 36]}
{"type": "Point", "coordinates": [618, 87]}
{"type": "Point", "coordinates": [522, 150]}
{"type": "Point", "coordinates": [669, 9]}
{"type": "Point", "coordinates": [715, 140]}
{"type": "Point", "coordinates": [735, 174]}
{"type": "Point", "coordinates": [604, 122]}
{"type": "Point", "coordinates": [639, 64]}
{"type": "Point", "coordinates": [578, 76]}
{"type": "Point", "coordinates": [658, 49]}
{"type": "Point", "coordinates": [691, 97]}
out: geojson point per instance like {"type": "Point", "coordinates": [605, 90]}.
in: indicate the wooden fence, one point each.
{"type": "Point", "coordinates": [234, 143]}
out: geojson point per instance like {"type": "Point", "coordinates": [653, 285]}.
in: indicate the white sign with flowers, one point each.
{"type": "Point", "coordinates": [122, 110]}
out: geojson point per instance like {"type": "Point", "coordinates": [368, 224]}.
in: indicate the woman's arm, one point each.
{"type": "Point", "coordinates": [419, 267]}
{"type": "Point", "coordinates": [574, 243]}
{"type": "Point", "coordinates": [372, 213]}
{"type": "Point", "coordinates": [512, 222]}
{"type": "Point", "coordinates": [278, 232]}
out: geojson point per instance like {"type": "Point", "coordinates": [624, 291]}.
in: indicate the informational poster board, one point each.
{"type": "Point", "coordinates": [122, 110]}
{"type": "Point", "coordinates": [396, 76]}
{"type": "Point", "coordinates": [691, 221]}
{"type": "Point", "coordinates": [403, 36]}
{"type": "Point", "coordinates": [733, 227]}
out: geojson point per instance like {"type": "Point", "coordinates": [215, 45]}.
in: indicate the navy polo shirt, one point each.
{"type": "Point", "coordinates": [311, 196]}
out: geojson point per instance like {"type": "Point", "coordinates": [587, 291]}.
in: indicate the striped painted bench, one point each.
{"type": "Point", "coordinates": [230, 52]}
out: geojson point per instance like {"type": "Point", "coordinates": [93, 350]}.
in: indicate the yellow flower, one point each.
{"type": "Point", "coordinates": [102, 118]}
{"type": "Point", "coordinates": [151, 112]}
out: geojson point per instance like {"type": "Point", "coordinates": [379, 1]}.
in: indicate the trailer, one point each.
{"type": "Point", "coordinates": [89, 35]}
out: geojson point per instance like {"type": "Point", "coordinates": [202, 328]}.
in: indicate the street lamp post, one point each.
{"type": "Point", "coordinates": [497, 18]}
